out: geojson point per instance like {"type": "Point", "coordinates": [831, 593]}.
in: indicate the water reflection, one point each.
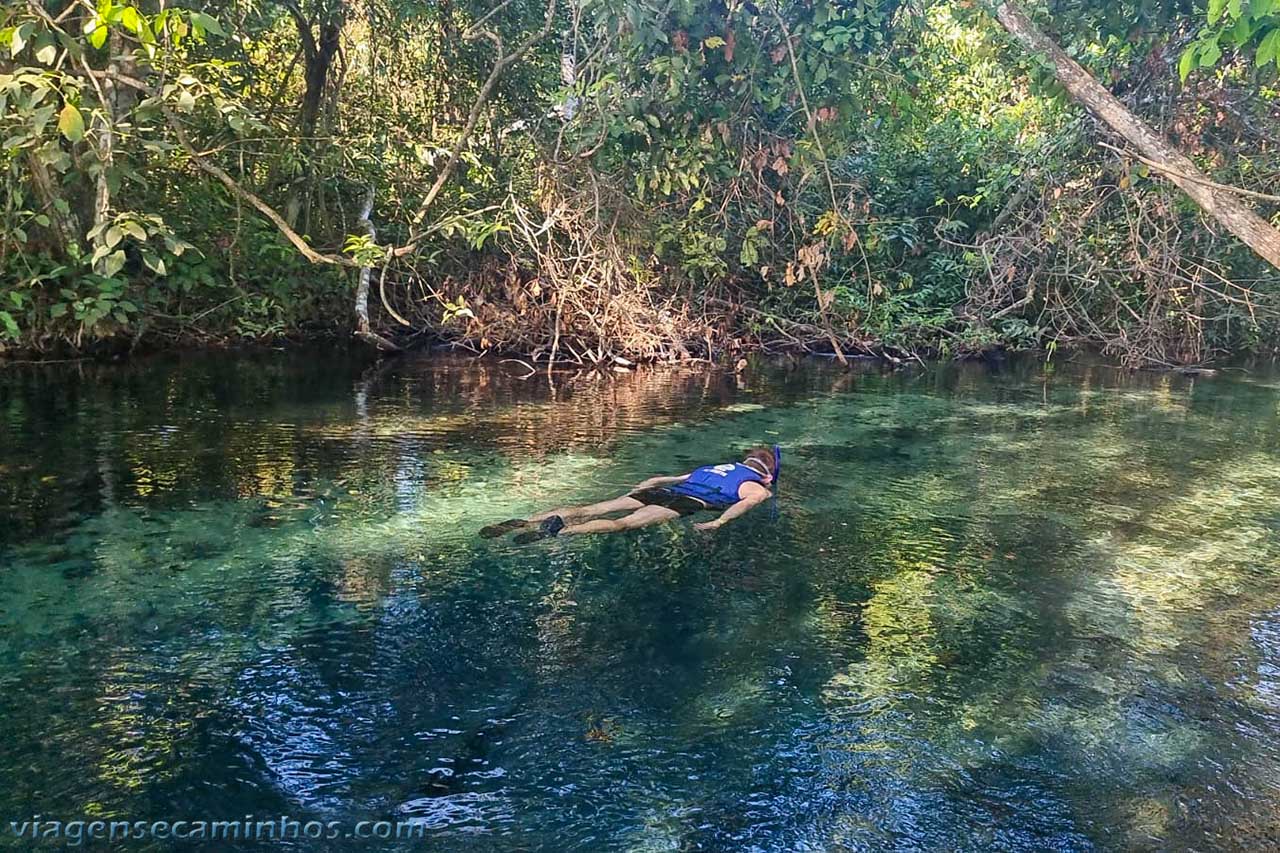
{"type": "Point", "coordinates": [1010, 610]}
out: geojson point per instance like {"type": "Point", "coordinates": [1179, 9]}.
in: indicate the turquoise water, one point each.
{"type": "Point", "coordinates": [992, 610]}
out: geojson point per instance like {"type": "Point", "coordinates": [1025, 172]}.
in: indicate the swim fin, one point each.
{"type": "Point", "coordinates": [548, 529]}
{"type": "Point", "coordinates": [493, 531]}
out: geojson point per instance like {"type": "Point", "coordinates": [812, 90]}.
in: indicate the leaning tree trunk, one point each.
{"type": "Point", "coordinates": [1227, 208]}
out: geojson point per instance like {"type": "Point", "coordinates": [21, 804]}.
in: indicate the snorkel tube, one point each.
{"type": "Point", "coordinates": [777, 472]}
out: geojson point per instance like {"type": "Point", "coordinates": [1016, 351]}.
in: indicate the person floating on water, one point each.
{"type": "Point", "coordinates": [734, 488]}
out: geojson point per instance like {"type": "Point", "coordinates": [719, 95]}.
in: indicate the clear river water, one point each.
{"type": "Point", "coordinates": [992, 608]}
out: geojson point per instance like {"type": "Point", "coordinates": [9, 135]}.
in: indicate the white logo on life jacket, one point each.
{"type": "Point", "coordinates": [724, 470]}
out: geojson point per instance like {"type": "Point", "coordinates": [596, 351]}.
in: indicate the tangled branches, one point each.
{"type": "Point", "coordinates": [1123, 267]}
{"type": "Point", "coordinates": [564, 288]}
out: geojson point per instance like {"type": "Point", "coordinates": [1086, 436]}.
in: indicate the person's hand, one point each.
{"type": "Point", "coordinates": [708, 525]}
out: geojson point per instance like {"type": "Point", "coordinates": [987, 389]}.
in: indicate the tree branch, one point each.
{"type": "Point", "coordinates": [500, 65]}
{"type": "Point", "coordinates": [1199, 179]}
{"type": "Point", "coordinates": [229, 182]}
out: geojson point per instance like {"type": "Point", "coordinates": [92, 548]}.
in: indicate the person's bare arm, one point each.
{"type": "Point", "coordinates": [661, 481]}
{"type": "Point", "coordinates": [738, 510]}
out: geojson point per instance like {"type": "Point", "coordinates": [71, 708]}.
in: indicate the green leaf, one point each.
{"type": "Point", "coordinates": [21, 34]}
{"type": "Point", "coordinates": [154, 262]}
{"type": "Point", "coordinates": [1216, 8]}
{"type": "Point", "coordinates": [134, 230]}
{"type": "Point", "coordinates": [1188, 62]}
{"type": "Point", "coordinates": [713, 42]}
{"type": "Point", "coordinates": [1269, 50]}
{"type": "Point", "coordinates": [46, 49]}
{"type": "Point", "coordinates": [115, 263]}
{"type": "Point", "coordinates": [186, 101]}
{"type": "Point", "coordinates": [1241, 33]}
{"type": "Point", "coordinates": [130, 19]}
{"type": "Point", "coordinates": [98, 37]}
{"type": "Point", "coordinates": [208, 24]}
{"type": "Point", "coordinates": [1210, 54]}
{"type": "Point", "coordinates": [1235, 8]}
{"type": "Point", "coordinates": [10, 325]}
{"type": "Point", "coordinates": [71, 123]}
{"type": "Point", "coordinates": [113, 236]}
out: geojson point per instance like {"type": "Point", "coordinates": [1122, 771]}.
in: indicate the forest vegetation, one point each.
{"type": "Point", "coordinates": [613, 181]}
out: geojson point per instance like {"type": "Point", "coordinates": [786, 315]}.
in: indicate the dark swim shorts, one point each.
{"type": "Point", "coordinates": [659, 496]}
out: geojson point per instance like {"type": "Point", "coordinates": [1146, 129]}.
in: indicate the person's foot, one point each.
{"type": "Point", "coordinates": [493, 531]}
{"type": "Point", "coordinates": [548, 529]}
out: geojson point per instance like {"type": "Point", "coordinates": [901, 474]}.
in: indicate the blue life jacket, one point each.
{"type": "Point", "coordinates": [717, 485]}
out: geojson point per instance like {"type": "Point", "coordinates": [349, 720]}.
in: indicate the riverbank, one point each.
{"type": "Point", "coordinates": [521, 366]}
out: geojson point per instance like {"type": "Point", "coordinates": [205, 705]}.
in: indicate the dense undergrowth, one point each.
{"type": "Point", "coordinates": [610, 179]}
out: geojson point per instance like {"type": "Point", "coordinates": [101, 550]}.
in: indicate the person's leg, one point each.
{"type": "Point", "coordinates": [626, 503]}
{"type": "Point", "coordinates": [646, 516]}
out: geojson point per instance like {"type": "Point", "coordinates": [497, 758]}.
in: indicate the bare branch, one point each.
{"type": "Point", "coordinates": [500, 65]}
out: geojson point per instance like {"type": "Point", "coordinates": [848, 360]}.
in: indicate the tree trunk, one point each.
{"type": "Point", "coordinates": [106, 153]}
{"type": "Point", "coordinates": [318, 52]}
{"type": "Point", "coordinates": [363, 330]}
{"type": "Point", "coordinates": [1227, 208]}
{"type": "Point", "coordinates": [316, 76]}
{"type": "Point", "coordinates": [64, 227]}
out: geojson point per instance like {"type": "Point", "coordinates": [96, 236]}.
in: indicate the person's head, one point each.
{"type": "Point", "coordinates": [761, 460]}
